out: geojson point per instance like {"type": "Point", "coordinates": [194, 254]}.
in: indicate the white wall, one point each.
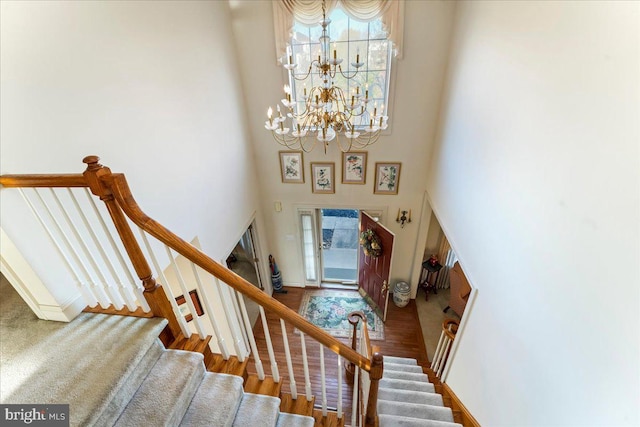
{"type": "Point", "coordinates": [535, 180]}
{"type": "Point", "coordinates": [151, 87]}
{"type": "Point", "coordinates": [418, 86]}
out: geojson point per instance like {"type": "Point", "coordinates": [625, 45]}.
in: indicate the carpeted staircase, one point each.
{"type": "Point", "coordinates": [406, 398]}
{"type": "Point", "coordinates": [184, 394]}
{"type": "Point", "coordinates": [113, 370]}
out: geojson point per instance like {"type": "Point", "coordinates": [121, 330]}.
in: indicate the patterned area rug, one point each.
{"type": "Point", "coordinates": [328, 310]}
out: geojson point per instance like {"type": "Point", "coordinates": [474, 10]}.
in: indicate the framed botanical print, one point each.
{"type": "Point", "coordinates": [354, 167]}
{"type": "Point", "coordinates": [291, 167]}
{"type": "Point", "coordinates": [323, 178]}
{"type": "Point", "coordinates": [387, 178]}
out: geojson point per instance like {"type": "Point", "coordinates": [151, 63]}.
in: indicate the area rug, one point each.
{"type": "Point", "coordinates": [328, 309]}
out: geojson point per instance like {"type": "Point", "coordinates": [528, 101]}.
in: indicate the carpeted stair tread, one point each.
{"type": "Point", "coordinates": [215, 402]}
{"type": "Point", "coordinates": [257, 410]}
{"type": "Point", "coordinates": [407, 385]}
{"type": "Point", "coordinates": [410, 376]}
{"type": "Point", "coordinates": [31, 371]}
{"type": "Point", "coordinates": [293, 420]}
{"type": "Point", "coordinates": [401, 367]}
{"type": "Point", "coordinates": [399, 360]}
{"type": "Point", "coordinates": [410, 396]}
{"type": "Point", "coordinates": [412, 410]}
{"type": "Point", "coordinates": [164, 396]}
{"type": "Point", "coordinates": [120, 401]}
{"type": "Point", "coordinates": [399, 421]}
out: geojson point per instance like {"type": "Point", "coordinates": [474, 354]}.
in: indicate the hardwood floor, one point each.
{"type": "Point", "coordinates": [403, 338]}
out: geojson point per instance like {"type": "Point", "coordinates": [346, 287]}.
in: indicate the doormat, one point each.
{"type": "Point", "coordinates": [328, 310]}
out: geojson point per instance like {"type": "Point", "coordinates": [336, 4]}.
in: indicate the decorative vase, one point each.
{"type": "Point", "coordinates": [401, 294]}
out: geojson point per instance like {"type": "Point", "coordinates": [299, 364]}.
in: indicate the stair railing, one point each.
{"type": "Point", "coordinates": [441, 356]}
{"type": "Point", "coordinates": [366, 381]}
{"type": "Point", "coordinates": [121, 293]}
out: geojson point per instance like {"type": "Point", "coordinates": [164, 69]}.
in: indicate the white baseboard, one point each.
{"type": "Point", "coordinates": [65, 312]}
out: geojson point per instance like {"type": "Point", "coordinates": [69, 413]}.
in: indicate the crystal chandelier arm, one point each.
{"type": "Point", "coordinates": [346, 75]}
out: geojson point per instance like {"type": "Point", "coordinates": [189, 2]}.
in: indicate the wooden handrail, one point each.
{"type": "Point", "coordinates": [44, 180]}
{"type": "Point", "coordinates": [450, 328]}
{"type": "Point", "coordinates": [376, 372]}
{"type": "Point", "coordinates": [119, 187]}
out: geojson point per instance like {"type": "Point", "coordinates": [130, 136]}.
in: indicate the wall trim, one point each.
{"type": "Point", "coordinates": [65, 312]}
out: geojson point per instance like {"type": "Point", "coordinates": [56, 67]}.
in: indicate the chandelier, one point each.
{"type": "Point", "coordinates": [328, 113]}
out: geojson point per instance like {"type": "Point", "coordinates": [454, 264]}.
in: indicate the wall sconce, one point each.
{"type": "Point", "coordinates": [402, 217]}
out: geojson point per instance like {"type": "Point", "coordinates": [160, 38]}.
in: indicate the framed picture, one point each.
{"type": "Point", "coordinates": [387, 178]}
{"type": "Point", "coordinates": [184, 308]}
{"type": "Point", "coordinates": [291, 167]}
{"type": "Point", "coordinates": [354, 167]}
{"type": "Point", "coordinates": [323, 178]}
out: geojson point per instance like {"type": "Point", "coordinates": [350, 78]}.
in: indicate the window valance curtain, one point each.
{"type": "Point", "coordinates": [309, 12]}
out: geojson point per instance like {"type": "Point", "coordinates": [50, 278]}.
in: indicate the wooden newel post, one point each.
{"type": "Point", "coordinates": [96, 175]}
{"type": "Point", "coordinates": [353, 318]}
{"type": "Point", "coordinates": [371, 416]}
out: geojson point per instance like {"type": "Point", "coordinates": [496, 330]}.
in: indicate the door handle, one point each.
{"type": "Point", "coordinates": [385, 287]}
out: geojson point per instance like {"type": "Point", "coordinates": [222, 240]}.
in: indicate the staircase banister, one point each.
{"type": "Point", "coordinates": [43, 180]}
{"type": "Point", "coordinates": [119, 187]}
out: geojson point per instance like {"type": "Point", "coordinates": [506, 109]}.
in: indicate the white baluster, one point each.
{"type": "Point", "coordinates": [323, 382]}
{"type": "Point", "coordinates": [99, 292]}
{"type": "Point", "coordinates": [339, 409]}
{"type": "Point", "coordinates": [120, 299]}
{"type": "Point", "coordinates": [86, 293]}
{"type": "Point", "coordinates": [241, 326]}
{"type": "Point", "coordinates": [216, 330]}
{"type": "Point", "coordinates": [129, 290]}
{"type": "Point", "coordinates": [439, 356]}
{"type": "Point", "coordinates": [165, 285]}
{"type": "Point", "coordinates": [444, 356]}
{"type": "Point", "coordinates": [354, 397]}
{"type": "Point", "coordinates": [225, 307]}
{"type": "Point", "coordinates": [267, 336]}
{"type": "Point", "coordinates": [185, 292]}
{"type": "Point", "coordinates": [435, 354]}
{"type": "Point", "coordinates": [305, 365]}
{"type": "Point", "coordinates": [287, 352]}
{"type": "Point", "coordinates": [252, 340]}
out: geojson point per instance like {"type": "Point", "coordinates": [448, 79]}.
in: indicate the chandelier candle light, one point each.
{"type": "Point", "coordinates": [328, 113]}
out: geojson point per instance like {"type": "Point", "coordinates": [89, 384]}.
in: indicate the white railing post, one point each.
{"type": "Point", "coordinates": [434, 362]}
{"type": "Point", "coordinates": [275, 373]}
{"type": "Point", "coordinates": [305, 365]}
{"type": "Point", "coordinates": [339, 406]}
{"type": "Point", "coordinates": [129, 291]}
{"type": "Point", "coordinates": [86, 293]}
{"type": "Point", "coordinates": [105, 258]}
{"type": "Point", "coordinates": [354, 398]}
{"type": "Point", "coordinates": [323, 382]}
{"type": "Point", "coordinates": [101, 285]}
{"type": "Point", "coordinates": [241, 325]}
{"type": "Point", "coordinates": [210, 314]}
{"type": "Point", "coordinates": [252, 340]}
{"type": "Point", "coordinates": [225, 307]}
{"type": "Point", "coordinates": [443, 357]}
{"type": "Point", "coordinates": [100, 293]}
{"type": "Point", "coordinates": [287, 352]}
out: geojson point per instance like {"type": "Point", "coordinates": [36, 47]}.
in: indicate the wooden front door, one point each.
{"type": "Point", "coordinates": [373, 272]}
